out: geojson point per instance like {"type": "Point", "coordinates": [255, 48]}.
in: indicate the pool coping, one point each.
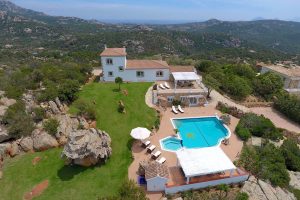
{"type": "Point", "coordinates": [178, 136]}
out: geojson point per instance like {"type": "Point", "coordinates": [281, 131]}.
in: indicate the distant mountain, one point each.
{"type": "Point", "coordinates": [25, 33]}
{"type": "Point", "coordinates": [279, 35]}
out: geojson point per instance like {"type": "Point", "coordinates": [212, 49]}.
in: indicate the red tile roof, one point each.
{"type": "Point", "coordinates": [155, 169]}
{"type": "Point", "coordinates": [147, 64]}
{"type": "Point", "coordinates": [114, 52]}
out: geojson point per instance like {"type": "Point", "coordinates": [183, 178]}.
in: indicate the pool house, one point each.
{"type": "Point", "coordinates": [202, 167]}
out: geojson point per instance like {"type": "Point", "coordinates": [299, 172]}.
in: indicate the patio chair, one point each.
{"type": "Point", "coordinates": [161, 160]}
{"type": "Point", "coordinates": [180, 109]}
{"type": "Point", "coordinates": [174, 110]}
{"type": "Point", "coordinates": [156, 154]}
{"type": "Point", "coordinates": [146, 143]}
{"type": "Point", "coordinates": [151, 148]}
{"type": "Point", "coordinates": [167, 85]}
{"type": "Point", "coordinates": [162, 86]}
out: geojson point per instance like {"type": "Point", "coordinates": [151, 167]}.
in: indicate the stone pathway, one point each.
{"type": "Point", "coordinates": [277, 118]}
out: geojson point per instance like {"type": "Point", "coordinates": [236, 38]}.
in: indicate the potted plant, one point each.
{"type": "Point", "coordinates": [176, 131]}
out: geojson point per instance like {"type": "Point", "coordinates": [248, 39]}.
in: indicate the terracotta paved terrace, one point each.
{"type": "Point", "coordinates": [232, 150]}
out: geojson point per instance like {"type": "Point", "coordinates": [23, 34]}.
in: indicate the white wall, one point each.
{"type": "Point", "coordinates": [175, 189]}
{"type": "Point", "coordinates": [130, 74]}
{"type": "Point", "coordinates": [149, 75]}
{"type": "Point", "coordinates": [117, 62]}
{"type": "Point", "coordinates": [156, 184]}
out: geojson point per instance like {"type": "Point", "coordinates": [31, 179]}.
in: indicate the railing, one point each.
{"type": "Point", "coordinates": [170, 189]}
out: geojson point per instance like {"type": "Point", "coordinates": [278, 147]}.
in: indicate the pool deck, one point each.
{"type": "Point", "coordinates": [166, 129]}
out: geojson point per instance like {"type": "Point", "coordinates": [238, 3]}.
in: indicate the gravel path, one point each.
{"type": "Point", "coordinates": [277, 118]}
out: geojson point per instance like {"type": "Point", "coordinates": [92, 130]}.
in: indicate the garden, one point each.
{"type": "Point", "coordinates": [74, 182]}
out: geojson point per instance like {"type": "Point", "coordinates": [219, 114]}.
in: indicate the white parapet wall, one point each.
{"type": "Point", "coordinates": [194, 186]}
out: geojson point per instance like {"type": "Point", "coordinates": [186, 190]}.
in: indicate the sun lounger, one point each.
{"type": "Point", "coordinates": [146, 143]}
{"type": "Point", "coordinates": [167, 85]}
{"type": "Point", "coordinates": [156, 154]}
{"type": "Point", "coordinates": [180, 109]}
{"type": "Point", "coordinates": [162, 86]}
{"type": "Point", "coordinates": [161, 160]}
{"type": "Point", "coordinates": [151, 148]}
{"type": "Point", "coordinates": [174, 110]}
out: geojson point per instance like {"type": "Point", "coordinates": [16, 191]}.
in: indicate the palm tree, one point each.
{"type": "Point", "coordinates": [119, 81]}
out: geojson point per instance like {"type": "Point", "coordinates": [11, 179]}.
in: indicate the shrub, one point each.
{"type": "Point", "coordinates": [19, 123]}
{"type": "Point", "coordinates": [203, 66]}
{"type": "Point", "coordinates": [13, 92]}
{"type": "Point", "coordinates": [291, 154]}
{"type": "Point", "coordinates": [249, 159]}
{"type": "Point", "coordinates": [268, 84]}
{"type": "Point", "coordinates": [243, 133]}
{"type": "Point", "coordinates": [237, 87]}
{"type": "Point", "coordinates": [242, 196]}
{"type": "Point", "coordinates": [67, 90]}
{"type": "Point", "coordinates": [129, 190]}
{"type": "Point", "coordinates": [38, 114]}
{"type": "Point", "coordinates": [273, 166]}
{"type": "Point", "coordinates": [289, 105]}
{"type": "Point", "coordinates": [51, 126]}
{"type": "Point", "coordinates": [259, 126]}
{"type": "Point", "coordinates": [85, 109]}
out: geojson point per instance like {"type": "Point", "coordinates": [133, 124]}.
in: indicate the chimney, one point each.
{"type": "Point", "coordinates": [105, 47]}
{"type": "Point", "coordinates": [124, 48]}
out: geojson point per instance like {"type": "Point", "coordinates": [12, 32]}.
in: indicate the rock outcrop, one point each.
{"type": "Point", "coordinates": [87, 147]}
{"type": "Point", "coordinates": [67, 124]}
{"type": "Point", "coordinates": [260, 190]}
{"type": "Point", "coordinates": [4, 134]}
{"type": "Point", "coordinates": [54, 107]}
{"type": "Point", "coordinates": [4, 104]}
{"type": "Point", "coordinates": [43, 141]}
{"type": "Point", "coordinates": [295, 179]}
{"type": "Point", "coordinates": [26, 144]}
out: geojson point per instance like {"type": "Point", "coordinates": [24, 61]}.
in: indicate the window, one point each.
{"type": "Point", "coordinates": [109, 61]}
{"type": "Point", "coordinates": [121, 68]}
{"type": "Point", "coordinates": [111, 74]}
{"type": "Point", "coordinates": [170, 99]}
{"type": "Point", "coordinates": [140, 74]}
{"type": "Point", "coordinates": [183, 98]}
{"type": "Point", "coordinates": [159, 74]}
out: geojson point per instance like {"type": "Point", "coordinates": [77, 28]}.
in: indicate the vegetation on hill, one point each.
{"type": "Point", "coordinates": [252, 124]}
{"type": "Point", "coordinates": [289, 105]}
{"type": "Point", "coordinates": [266, 162]}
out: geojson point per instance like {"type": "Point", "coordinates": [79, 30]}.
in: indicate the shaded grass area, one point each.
{"type": "Point", "coordinates": [76, 182]}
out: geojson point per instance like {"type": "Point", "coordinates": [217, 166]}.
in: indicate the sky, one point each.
{"type": "Point", "coordinates": [167, 10]}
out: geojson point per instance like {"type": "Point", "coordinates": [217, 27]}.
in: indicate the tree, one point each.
{"type": "Point", "coordinates": [291, 153]}
{"type": "Point", "coordinates": [203, 66]}
{"type": "Point", "coordinates": [67, 90]}
{"type": "Point", "coordinates": [268, 84]}
{"type": "Point", "coordinates": [119, 80]}
{"type": "Point", "coordinates": [238, 87]}
{"type": "Point", "coordinates": [211, 83]}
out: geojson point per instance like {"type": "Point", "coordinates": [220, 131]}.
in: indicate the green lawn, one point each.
{"type": "Point", "coordinates": [85, 183]}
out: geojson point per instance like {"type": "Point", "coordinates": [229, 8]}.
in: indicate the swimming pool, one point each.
{"type": "Point", "coordinates": [171, 143]}
{"type": "Point", "coordinates": [198, 132]}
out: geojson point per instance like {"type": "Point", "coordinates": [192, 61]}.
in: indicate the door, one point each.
{"type": "Point", "coordinates": [193, 101]}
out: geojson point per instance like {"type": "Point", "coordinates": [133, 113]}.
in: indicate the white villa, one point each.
{"type": "Point", "coordinates": [115, 64]}
{"type": "Point", "coordinates": [183, 82]}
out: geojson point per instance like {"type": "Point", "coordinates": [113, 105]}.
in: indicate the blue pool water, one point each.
{"type": "Point", "coordinates": [196, 133]}
{"type": "Point", "coordinates": [171, 143]}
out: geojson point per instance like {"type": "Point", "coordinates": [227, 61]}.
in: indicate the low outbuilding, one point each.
{"type": "Point", "coordinates": [156, 175]}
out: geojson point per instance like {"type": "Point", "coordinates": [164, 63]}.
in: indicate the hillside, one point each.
{"type": "Point", "coordinates": [26, 35]}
